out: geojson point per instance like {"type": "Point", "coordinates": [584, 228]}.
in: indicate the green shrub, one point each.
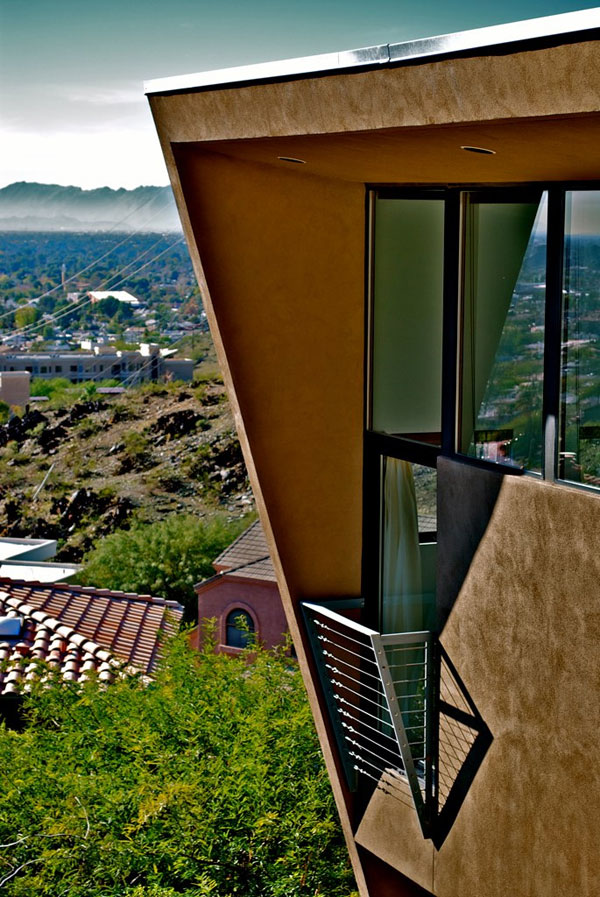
{"type": "Point", "coordinates": [165, 559]}
{"type": "Point", "coordinates": [136, 444]}
{"type": "Point", "coordinates": [207, 783]}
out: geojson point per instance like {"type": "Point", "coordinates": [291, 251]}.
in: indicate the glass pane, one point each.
{"type": "Point", "coordinates": [503, 331]}
{"type": "Point", "coordinates": [579, 444]}
{"type": "Point", "coordinates": [407, 317]}
{"type": "Point", "coordinates": [239, 629]}
{"type": "Point", "coordinates": [408, 554]}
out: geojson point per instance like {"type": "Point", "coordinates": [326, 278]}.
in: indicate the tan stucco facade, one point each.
{"type": "Point", "coordinates": [280, 254]}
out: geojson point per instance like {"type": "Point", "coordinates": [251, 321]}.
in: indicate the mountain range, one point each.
{"type": "Point", "coordinates": [50, 207]}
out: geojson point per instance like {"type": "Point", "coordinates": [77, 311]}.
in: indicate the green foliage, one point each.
{"type": "Point", "coordinates": [135, 443]}
{"type": "Point", "coordinates": [25, 316]}
{"type": "Point", "coordinates": [88, 390]}
{"type": "Point", "coordinates": [4, 412]}
{"type": "Point", "coordinates": [60, 391]}
{"type": "Point", "coordinates": [165, 559]}
{"type": "Point", "coordinates": [207, 783]}
{"type": "Point", "coordinates": [43, 387]}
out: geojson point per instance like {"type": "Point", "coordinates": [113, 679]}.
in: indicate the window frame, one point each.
{"type": "Point", "coordinates": [376, 444]}
{"type": "Point", "coordinates": [452, 314]}
{"type": "Point", "coordinates": [239, 609]}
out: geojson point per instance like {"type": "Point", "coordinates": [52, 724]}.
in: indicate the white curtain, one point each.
{"type": "Point", "coordinates": [402, 599]}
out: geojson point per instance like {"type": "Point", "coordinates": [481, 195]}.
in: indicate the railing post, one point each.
{"type": "Point", "coordinates": [432, 674]}
{"type": "Point", "coordinates": [398, 723]}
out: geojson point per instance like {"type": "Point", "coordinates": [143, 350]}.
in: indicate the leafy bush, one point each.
{"type": "Point", "coordinates": [165, 559]}
{"type": "Point", "coordinates": [42, 387]}
{"type": "Point", "coordinates": [208, 782]}
{"type": "Point", "coordinates": [136, 444]}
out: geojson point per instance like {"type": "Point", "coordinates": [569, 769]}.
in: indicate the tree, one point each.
{"type": "Point", "coordinates": [165, 559]}
{"type": "Point", "coordinates": [207, 782]}
{"type": "Point", "coordinates": [25, 316]}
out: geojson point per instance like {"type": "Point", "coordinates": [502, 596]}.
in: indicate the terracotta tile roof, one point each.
{"type": "Point", "coordinates": [79, 629]}
{"type": "Point", "coordinates": [247, 556]}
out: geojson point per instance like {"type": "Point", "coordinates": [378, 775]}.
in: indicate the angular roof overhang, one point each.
{"type": "Point", "coordinates": [530, 92]}
{"type": "Point", "coordinates": [539, 31]}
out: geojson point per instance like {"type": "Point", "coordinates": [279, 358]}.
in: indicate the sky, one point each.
{"type": "Point", "coordinates": [72, 106]}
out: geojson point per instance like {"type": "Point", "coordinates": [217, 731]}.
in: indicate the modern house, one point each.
{"type": "Point", "coordinates": [243, 597]}
{"type": "Point", "coordinates": [399, 253]}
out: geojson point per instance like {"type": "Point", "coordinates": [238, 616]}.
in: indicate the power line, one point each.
{"type": "Point", "coordinates": [97, 261]}
{"type": "Point", "coordinates": [84, 302]}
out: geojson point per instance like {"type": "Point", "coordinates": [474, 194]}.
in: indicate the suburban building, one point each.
{"type": "Point", "coordinates": [78, 631]}
{"type": "Point", "coordinates": [100, 363]}
{"type": "Point", "coordinates": [243, 597]}
{"type": "Point", "coordinates": [119, 295]}
{"type": "Point", "coordinates": [14, 387]}
{"type": "Point", "coordinates": [29, 559]}
{"type": "Point", "coordinates": [399, 253]}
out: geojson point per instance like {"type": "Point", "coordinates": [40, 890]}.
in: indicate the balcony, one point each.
{"type": "Point", "coordinates": [401, 715]}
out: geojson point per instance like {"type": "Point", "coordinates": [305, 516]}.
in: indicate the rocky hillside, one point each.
{"type": "Point", "coordinates": [50, 207]}
{"type": "Point", "coordinates": [79, 472]}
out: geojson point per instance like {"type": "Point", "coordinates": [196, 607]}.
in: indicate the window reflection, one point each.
{"type": "Point", "coordinates": [239, 629]}
{"type": "Point", "coordinates": [579, 443]}
{"type": "Point", "coordinates": [504, 277]}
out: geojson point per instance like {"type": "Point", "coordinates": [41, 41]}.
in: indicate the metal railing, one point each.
{"type": "Point", "coordinates": [380, 690]}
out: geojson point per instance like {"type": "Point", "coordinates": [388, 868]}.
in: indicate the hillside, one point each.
{"type": "Point", "coordinates": [50, 207]}
{"type": "Point", "coordinates": [150, 452]}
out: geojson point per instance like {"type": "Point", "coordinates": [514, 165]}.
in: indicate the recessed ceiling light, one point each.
{"type": "Point", "coordinates": [291, 159]}
{"type": "Point", "coordinates": [479, 149]}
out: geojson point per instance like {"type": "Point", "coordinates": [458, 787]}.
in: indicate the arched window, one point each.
{"type": "Point", "coordinates": [239, 628]}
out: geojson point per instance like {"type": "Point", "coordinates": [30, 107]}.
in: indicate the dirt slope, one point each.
{"type": "Point", "coordinates": [152, 451]}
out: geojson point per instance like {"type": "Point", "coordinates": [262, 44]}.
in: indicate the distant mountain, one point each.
{"type": "Point", "coordinates": [49, 207]}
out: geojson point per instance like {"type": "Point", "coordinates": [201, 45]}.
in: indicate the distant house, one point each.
{"type": "Point", "coordinates": [243, 597]}
{"type": "Point", "coordinates": [119, 295]}
{"type": "Point", "coordinates": [26, 559]}
{"type": "Point", "coordinates": [78, 631]}
{"type": "Point", "coordinates": [14, 387]}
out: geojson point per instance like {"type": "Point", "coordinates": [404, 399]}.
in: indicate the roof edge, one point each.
{"type": "Point", "coordinates": [527, 30]}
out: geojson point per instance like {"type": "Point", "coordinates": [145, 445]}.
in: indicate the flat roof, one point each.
{"type": "Point", "coordinates": [527, 31]}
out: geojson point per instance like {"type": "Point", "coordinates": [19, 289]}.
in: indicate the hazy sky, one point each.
{"type": "Point", "coordinates": [72, 109]}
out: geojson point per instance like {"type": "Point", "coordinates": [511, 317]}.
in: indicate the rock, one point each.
{"type": "Point", "coordinates": [177, 423]}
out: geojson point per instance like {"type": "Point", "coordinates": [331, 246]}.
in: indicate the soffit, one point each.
{"type": "Point", "coordinates": [563, 148]}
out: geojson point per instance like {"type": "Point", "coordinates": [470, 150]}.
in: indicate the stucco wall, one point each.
{"type": "Point", "coordinates": [260, 599]}
{"type": "Point", "coordinates": [553, 81]}
{"type": "Point", "coordinates": [524, 633]}
{"type": "Point", "coordinates": [283, 258]}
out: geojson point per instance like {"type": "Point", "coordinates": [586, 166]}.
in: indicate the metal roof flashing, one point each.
{"type": "Point", "coordinates": [574, 25]}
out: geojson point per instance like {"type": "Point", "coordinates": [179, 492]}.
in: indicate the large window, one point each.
{"type": "Point", "coordinates": [483, 342]}
{"type": "Point", "coordinates": [406, 334]}
{"type": "Point", "coordinates": [408, 271]}
{"type": "Point", "coordinates": [503, 302]}
{"type": "Point", "coordinates": [579, 443]}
